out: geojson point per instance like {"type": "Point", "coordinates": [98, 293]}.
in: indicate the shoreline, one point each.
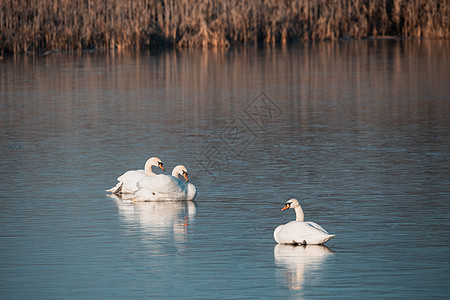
{"type": "Point", "coordinates": [159, 49]}
{"type": "Point", "coordinates": [49, 25]}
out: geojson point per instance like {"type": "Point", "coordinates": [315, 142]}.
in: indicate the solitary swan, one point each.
{"type": "Point", "coordinates": [298, 231]}
{"type": "Point", "coordinates": [128, 180]}
{"type": "Point", "coordinates": [164, 187]}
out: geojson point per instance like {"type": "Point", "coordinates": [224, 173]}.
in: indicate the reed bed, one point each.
{"type": "Point", "coordinates": [31, 26]}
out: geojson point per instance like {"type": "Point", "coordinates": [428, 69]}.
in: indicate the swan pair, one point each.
{"type": "Point", "coordinates": [299, 232]}
{"type": "Point", "coordinates": [145, 185]}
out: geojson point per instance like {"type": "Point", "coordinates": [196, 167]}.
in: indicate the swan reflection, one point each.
{"type": "Point", "coordinates": [159, 218]}
{"type": "Point", "coordinates": [297, 261]}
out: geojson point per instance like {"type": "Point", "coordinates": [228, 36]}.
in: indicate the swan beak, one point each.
{"type": "Point", "coordinates": [160, 165]}
{"type": "Point", "coordinates": [185, 175]}
{"type": "Point", "coordinates": [286, 206]}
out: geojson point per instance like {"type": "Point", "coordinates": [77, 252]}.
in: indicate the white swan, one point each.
{"type": "Point", "coordinates": [128, 180]}
{"type": "Point", "coordinates": [164, 187]}
{"type": "Point", "coordinates": [298, 231]}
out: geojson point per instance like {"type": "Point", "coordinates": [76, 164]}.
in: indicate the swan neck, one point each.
{"type": "Point", "coordinates": [175, 173]}
{"type": "Point", "coordinates": [148, 170]}
{"type": "Point", "coordinates": [300, 217]}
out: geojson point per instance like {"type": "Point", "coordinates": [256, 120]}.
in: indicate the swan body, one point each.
{"type": "Point", "coordinates": [164, 187]}
{"type": "Point", "coordinates": [299, 231]}
{"type": "Point", "coordinates": [128, 181]}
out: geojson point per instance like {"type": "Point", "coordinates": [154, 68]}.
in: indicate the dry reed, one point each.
{"type": "Point", "coordinates": [31, 26]}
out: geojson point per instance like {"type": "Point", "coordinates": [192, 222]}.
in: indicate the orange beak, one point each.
{"type": "Point", "coordinates": [161, 167]}
{"type": "Point", "coordinates": [185, 176]}
{"type": "Point", "coordinates": [286, 206]}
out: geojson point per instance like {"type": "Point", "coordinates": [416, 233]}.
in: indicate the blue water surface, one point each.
{"type": "Point", "coordinates": [358, 132]}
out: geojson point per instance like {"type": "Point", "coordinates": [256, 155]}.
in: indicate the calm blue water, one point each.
{"type": "Point", "coordinates": [359, 132]}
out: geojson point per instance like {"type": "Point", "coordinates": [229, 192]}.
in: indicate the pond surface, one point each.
{"type": "Point", "coordinates": [359, 132]}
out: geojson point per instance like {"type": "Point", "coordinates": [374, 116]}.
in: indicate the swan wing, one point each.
{"type": "Point", "coordinates": [161, 184]}
{"type": "Point", "coordinates": [301, 233]}
{"type": "Point", "coordinates": [133, 175]}
{"type": "Point", "coordinates": [130, 180]}
{"type": "Point", "coordinates": [291, 233]}
{"type": "Point", "coordinates": [317, 226]}
{"type": "Point", "coordinates": [127, 182]}
{"type": "Point", "coordinates": [164, 187]}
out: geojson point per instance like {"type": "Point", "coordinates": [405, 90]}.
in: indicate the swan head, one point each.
{"type": "Point", "coordinates": [153, 162]}
{"type": "Point", "coordinates": [180, 170]}
{"type": "Point", "coordinates": [291, 203]}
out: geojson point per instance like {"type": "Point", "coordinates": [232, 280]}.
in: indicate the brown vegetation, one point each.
{"type": "Point", "coordinates": [39, 25]}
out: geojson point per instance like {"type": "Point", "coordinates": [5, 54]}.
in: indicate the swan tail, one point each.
{"type": "Point", "coordinates": [329, 237]}
{"type": "Point", "coordinates": [117, 189]}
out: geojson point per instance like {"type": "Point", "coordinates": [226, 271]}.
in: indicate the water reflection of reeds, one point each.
{"type": "Point", "coordinates": [344, 78]}
{"type": "Point", "coordinates": [38, 26]}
